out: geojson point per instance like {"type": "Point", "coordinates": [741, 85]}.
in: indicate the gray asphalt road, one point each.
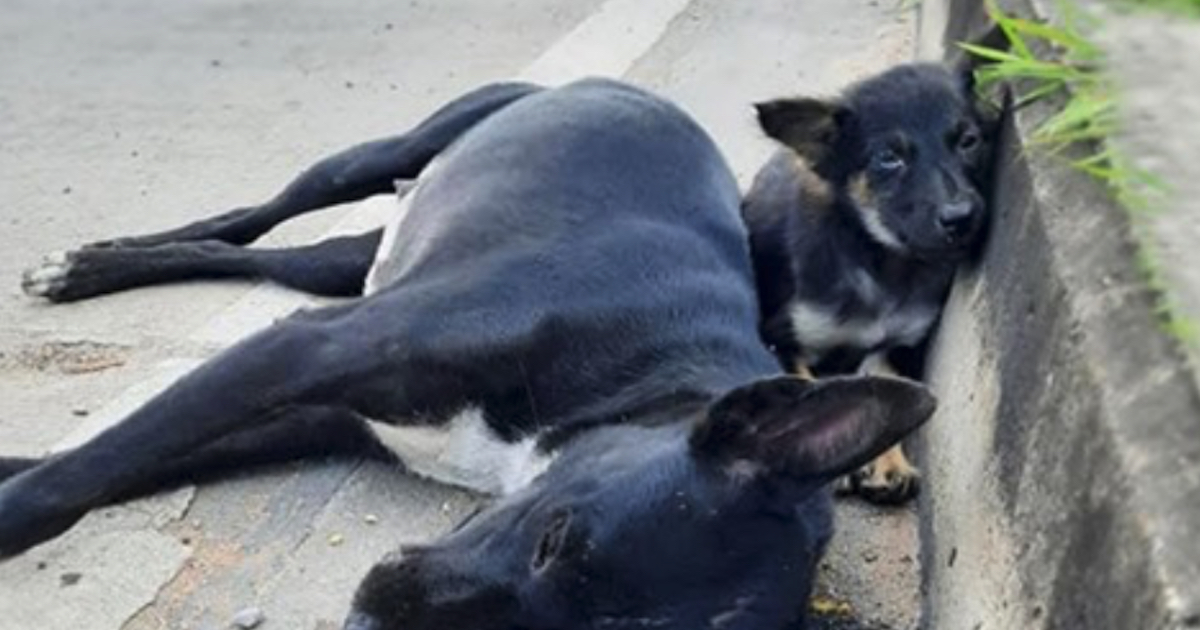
{"type": "Point", "coordinates": [125, 116]}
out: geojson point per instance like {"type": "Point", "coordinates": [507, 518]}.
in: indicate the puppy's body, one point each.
{"type": "Point", "coordinates": [830, 295]}
{"type": "Point", "coordinates": [858, 225]}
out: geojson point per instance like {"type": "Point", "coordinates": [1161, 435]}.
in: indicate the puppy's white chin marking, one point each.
{"type": "Point", "coordinates": [41, 280]}
{"type": "Point", "coordinates": [877, 230]}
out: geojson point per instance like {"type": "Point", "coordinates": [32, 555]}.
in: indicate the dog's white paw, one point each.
{"type": "Point", "coordinates": [47, 278]}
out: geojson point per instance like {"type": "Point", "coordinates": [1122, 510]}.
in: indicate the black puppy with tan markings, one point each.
{"type": "Point", "coordinates": [858, 225]}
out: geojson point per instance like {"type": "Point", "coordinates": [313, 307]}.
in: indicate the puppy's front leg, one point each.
{"type": "Point", "coordinates": [801, 370]}
{"type": "Point", "coordinates": [890, 479]}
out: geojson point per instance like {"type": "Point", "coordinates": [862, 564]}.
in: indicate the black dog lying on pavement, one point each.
{"type": "Point", "coordinates": [858, 225]}
{"type": "Point", "coordinates": [566, 316]}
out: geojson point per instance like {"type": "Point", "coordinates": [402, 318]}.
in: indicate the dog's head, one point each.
{"type": "Point", "coordinates": [906, 149]}
{"type": "Point", "coordinates": [714, 520]}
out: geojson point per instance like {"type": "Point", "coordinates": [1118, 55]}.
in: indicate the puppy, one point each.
{"type": "Point", "coordinates": [858, 224]}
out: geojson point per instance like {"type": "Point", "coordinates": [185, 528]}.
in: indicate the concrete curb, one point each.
{"type": "Point", "coordinates": [1064, 467]}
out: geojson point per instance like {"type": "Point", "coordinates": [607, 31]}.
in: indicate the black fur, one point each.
{"type": "Point", "coordinates": [912, 142]}
{"type": "Point", "coordinates": [858, 225]}
{"type": "Point", "coordinates": [574, 267]}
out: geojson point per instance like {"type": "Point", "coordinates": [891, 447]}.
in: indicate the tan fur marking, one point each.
{"type": "Point", "coordinates": [817, 192]}
{"type": "Point", "coordinates": [872, 219]}
{"type": "Point", "coordinates": [802, 370]}
{"type": "Point", "coordinates": [892, 464]}
{"type": "Point", "coordinates": [860, 192]}
{"type": "Point", "coordinates": [814, 142]}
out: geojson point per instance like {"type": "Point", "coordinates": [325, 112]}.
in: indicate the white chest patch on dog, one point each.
{"type": "Point", "coordinates": [464, 452]}
{"type": "Point", "coordinates": [819, 331]}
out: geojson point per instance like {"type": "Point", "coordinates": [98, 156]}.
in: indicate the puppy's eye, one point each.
{"type": "Point", "coordinates": [968, 140]}
{"type": "Point", "coordinates": [888, 161]}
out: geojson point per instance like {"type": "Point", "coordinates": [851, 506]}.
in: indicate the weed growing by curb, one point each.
{"type": "Point", "coordinates": [1059, 60]}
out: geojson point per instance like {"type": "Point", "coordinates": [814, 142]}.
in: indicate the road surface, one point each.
{"type": "Point", "coordinates": [125, 116]}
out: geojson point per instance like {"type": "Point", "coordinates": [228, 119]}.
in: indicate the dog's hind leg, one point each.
{"type": "Point", "coordinates": [381, 358]}
{"type": "Point", "coordinates": [334, 267]}
{"type": "Point", "coordinates": [356, 173]}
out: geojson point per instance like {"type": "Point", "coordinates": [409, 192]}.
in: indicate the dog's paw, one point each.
{"type": "Point", "coordinates": [49, 279]}
{"type": "Point", "coordinates": [889, 480]}
{"type": "Point", "coordinates": [12, 466]}
{"type": "Point", "coordinates": [30, 516]}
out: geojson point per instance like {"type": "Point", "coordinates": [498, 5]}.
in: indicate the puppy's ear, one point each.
{"type": "Point", "coordinates": [964, 63]}
{"type": "Point", "coordinates": [810, 430]}
{"type": "Point", "coordinates": [810, 127]}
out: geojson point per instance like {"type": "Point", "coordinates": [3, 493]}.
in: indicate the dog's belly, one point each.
{"type": "Point", "coordinates": [819, 331]}
{"type": "Point", "coordinates": [464, 452]}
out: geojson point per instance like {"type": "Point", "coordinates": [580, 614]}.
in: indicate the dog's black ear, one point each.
{"type": "Point", "coordinates": [810, 127]}
{"type": "Point", "coordinates": [810, 429]}
{"type": "Point", "coordinates": [965, 63]}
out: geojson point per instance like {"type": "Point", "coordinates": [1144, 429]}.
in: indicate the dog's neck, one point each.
{"type": "Point", "coordinates": [669, 396]}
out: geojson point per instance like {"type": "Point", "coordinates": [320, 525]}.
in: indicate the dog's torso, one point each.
{"type": "Point", "coordinates": [610, 238]}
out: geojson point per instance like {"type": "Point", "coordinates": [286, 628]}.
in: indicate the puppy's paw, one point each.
{"type": "Point", "coordinates": [889, 480]}
{"type": "Point", "coordinates": [49, 279]}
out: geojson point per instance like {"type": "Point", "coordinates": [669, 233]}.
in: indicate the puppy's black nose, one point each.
{"type": "Point", "coordinates": [955, 218]}
{"type": "Point", "coordinates": [360, 621]}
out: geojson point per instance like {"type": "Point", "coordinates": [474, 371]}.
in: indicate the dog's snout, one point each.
{"type": "Point", "coordinates": [360, 621]}
{"type": "Point", "coordinates": [956, 217]}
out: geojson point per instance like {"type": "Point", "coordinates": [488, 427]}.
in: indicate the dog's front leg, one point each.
{"type": "Point", "coordinates": [890, 478]}
{"type": "Point", "coordinates": [308, 359]}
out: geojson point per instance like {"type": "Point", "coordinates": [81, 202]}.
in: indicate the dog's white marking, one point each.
{"type": "Point", "coordinates": [882, 234]}
{"type": "Point", "coordinates": [41, 280]}
{"type": "Point", "coordinates": [387, 246]}
{"type": "Point", "coordinates": [818, 330]}
{"type": "Point", "coordinates": [383, 270]}
{"type": "Point", "coordinates": [464, 452]}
